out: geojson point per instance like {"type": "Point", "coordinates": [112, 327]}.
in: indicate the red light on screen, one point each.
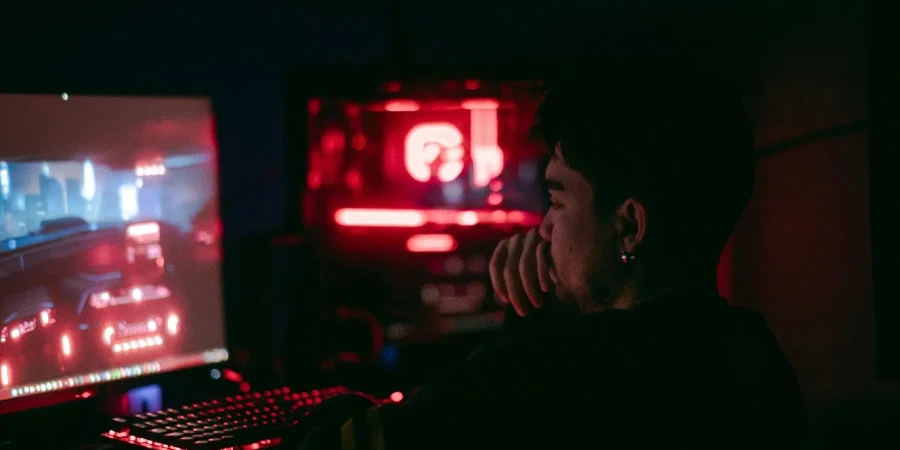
{"type": "Point", "coordinates": [468, 218]}
{"type": "Point", "coordinates": [480, 103]}
{"type": "Point", "coordinates": [314, 106]}
{"type": "Point", "coordinates": [143, 229]}
{"type": "Point", "coordinates": [401, 105]}
{"type": "Point", "coordinates": [5, 376]}
{"type": "Point", "coordinates": [431, 243]}
{"type": "Point", "coordinates": [333, 140]}
{"type": "Point", "coordinates": [66, 345]}
{"type": "Point", "coordinates": [150, 170]}
{"type": "Point", "coordinates": [428, 143]}
{"type": "Point", "coordinates": [314, 180]}
{"type": "Point", "coordinates": [411, 218]}
{"type": "Point", "coordinates": [172, 323]}
{"type": "Point", "coordinates": [380, 217]}
{"type": "Point", "coordinates": [435, 148]}
{"type": "Point", "coordinates": [487, 157]}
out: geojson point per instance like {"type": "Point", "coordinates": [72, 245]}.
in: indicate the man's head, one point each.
{"type": "Point", "coordinates": [650, 163]}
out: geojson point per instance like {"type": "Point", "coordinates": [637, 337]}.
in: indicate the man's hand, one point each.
{"type": "Point", "coordinates": [520, 271]}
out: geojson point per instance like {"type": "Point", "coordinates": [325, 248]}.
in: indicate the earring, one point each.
{"type": "Point", "coordinates": [627, 257]}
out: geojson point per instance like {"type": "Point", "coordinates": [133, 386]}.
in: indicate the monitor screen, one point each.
{"type": "Point", "coordinates": [448, 146]}
{"type": "Point", "coordinates": [109, 240]}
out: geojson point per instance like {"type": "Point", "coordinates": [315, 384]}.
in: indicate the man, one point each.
{"type": "Point", "coordinates": [625, 342]}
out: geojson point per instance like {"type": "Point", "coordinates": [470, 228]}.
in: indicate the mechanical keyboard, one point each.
{"type": "Point", "coordinates": [239, 422]}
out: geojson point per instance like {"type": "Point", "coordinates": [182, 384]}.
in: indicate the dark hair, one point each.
{"type": "Point", "coordinates": [665, 132]}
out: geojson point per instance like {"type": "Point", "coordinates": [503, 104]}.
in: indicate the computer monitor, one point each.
{"type": "Point", "coordinates": [411, 182]}
{"type": "Point", "coordinates": [415, 146]}
{"type": "Point", "coordinates": [110, 247]}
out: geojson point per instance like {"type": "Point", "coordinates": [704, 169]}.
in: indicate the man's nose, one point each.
{"type": "Point", "coordinates": [546, 228]}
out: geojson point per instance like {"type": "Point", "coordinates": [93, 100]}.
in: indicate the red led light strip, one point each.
{"type": "Point", "coordinates": [413, 218]}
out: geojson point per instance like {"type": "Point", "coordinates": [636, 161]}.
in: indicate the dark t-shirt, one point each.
{"type": "Point", "coordinates": [670, 374]}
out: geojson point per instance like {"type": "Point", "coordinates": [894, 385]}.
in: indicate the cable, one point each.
{"type": "Point", "coordinates": [345, 314]}
{"type": "Point", "coordinates": [377, 332]}
{"type": "Point", "coordinates": [834, 131]}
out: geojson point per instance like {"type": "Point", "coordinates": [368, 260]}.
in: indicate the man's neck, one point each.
{"type": "Point", "coordinates": [637, 292]}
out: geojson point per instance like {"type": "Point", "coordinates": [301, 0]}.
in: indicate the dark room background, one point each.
{"type": "Point", "coordinates": [801, 255]}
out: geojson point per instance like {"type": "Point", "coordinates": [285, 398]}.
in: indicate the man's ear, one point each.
{"type": "Point", "coordinates": [633, 224]}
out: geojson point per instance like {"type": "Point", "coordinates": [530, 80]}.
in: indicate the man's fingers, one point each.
{"type": "Point", "coordinates": [513, 280]}
{"type": "Point", "coordinates": [543, 266]}
{"type": "Point", "coordinates": [528, 269]}
{"type": "Point", "coordinates": [498, 262]}
{"type": "Point", "coordinates": [519, 271]}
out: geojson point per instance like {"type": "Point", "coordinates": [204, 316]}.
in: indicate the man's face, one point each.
{"type": "Point", "coordinates": [582, 246]}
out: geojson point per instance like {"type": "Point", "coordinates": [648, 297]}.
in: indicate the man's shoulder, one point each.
{"type": "Point", "coordinates": [624, 365]}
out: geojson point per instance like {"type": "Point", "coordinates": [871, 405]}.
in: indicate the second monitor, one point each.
{"type": "Point", "coordinates": [412, 184]}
